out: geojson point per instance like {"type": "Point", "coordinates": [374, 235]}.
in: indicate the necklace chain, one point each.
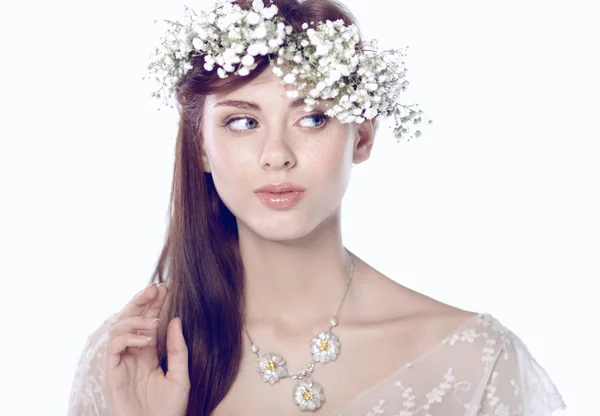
{"type": "Point", "coordinates": [308, 369]}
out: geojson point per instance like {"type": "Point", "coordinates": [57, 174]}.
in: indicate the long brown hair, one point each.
{"type": "Point", "coordinates": [200, 261]}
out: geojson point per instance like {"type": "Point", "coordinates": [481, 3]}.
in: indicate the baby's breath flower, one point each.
{"type": "Point", "coordinates": [277, 71]}
{"type": "Point", "coordinates": [324, 60]}
{"type": "Point", "coordinates": [289, 79]}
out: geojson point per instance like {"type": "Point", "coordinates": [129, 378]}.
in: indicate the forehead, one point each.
{"type": "Point", "coordinates": [266, 89]}
{"type": "Point", "coordinates": [264, 85]}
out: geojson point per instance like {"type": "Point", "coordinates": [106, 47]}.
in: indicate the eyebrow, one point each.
{"type": "Point", "coordinates": [247, 105]}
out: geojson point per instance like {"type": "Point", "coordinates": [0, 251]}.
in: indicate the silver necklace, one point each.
{"type": "Point", "coordinates": [324, 347]}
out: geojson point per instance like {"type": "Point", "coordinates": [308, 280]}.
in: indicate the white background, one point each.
{"type": "Point", "coordinates": [494, 209]}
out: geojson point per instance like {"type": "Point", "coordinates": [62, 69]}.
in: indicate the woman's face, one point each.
{"type": "Point", "coordinates": [257, 135]}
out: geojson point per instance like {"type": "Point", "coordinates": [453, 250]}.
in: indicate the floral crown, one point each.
{"type": "Point", "coordinates": [324, 60]}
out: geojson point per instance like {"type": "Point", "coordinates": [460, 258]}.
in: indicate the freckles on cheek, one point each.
{"type": "Point", "coordinates": [330, 154]}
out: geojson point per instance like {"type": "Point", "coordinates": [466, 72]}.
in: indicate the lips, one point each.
{"type": "Point", "coordinates": [281, 200]}
{"type": "Point", "coordinates": [280, 188]}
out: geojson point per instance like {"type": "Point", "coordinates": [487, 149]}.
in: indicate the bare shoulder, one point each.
{"type": "Point", "coordinates": [381, 300]}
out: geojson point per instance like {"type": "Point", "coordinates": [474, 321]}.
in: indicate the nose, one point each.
{"type": "Point", "coordinates": [277, 153]}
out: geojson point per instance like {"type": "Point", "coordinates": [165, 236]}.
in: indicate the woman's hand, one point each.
{"type": "Point", "coordinates": [135, 383]}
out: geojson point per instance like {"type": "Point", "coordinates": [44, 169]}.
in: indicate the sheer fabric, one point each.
{"type": "Point", "coordinates": [480, 369]}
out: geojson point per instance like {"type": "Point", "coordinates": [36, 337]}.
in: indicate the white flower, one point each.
{"type": "Point", "coordinates": [272, 366]}
{"type": "Point", "coordinates": [322, 49]}
{"type": "Point", "coordinates": [238, 48]}
{"type": "Point", "coordinates": [248, 60]}
{"type": "Point", "coordinates": [289, 79]}
{"type": "Point", "coordinates": [253, 18]}
{"type": "Point", "coordinates": [243, 71]}
{"type": "Point", "coordinates": [221, 73]}
{"type": "Point", "coordinates": [260, 32]}
{"type": "Point", "coordinates": [258, 5]}
{"type": "Point", "coordinates": [277, 71]}
{"type": "Point", "coordinates": [334, 75]}
{"type": "Point", "coordinates": [230, 56]}
{"type": "Point", "coordinates": [254, 49]}
{"type": "Point", "coordinates": [308, 394]}
{"type": "Point", "coordinates": [269, 12]}
{"type": "Point", "coordinates": [292, 94]}
{"type": "Point", "coordinates": [197, 43]}
{"type": "Point", "coordinates": [211, 18]}
{"type": "Point", "coordinates": [325, 347]}
{"type": "Point", "coordinates": [370, 113]}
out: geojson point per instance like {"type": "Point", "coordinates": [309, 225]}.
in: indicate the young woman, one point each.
{"type": "Point", "coordinates": [257, 292]}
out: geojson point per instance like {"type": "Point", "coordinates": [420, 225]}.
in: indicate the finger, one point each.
{"type": "Point", "coordinates": [177, 354]}
{"type": "Point", "coordinates": [122, 334]}
{"type": "Point", "coordinates": [132, 325]}
{"type": "Point", "coordinates": [119, 345]}
{"type": "Point", "coordinates": [148, 355]}
{"type": "Point", "coordinates": [136, 306]}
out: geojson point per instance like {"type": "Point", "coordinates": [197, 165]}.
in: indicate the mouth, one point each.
{"type": "Point", "coordinates": [280, 200]}
{"type": "Point", "coordinates": [280, 188]}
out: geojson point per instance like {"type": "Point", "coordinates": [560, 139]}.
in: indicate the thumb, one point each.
{"type": "Point", "coordinates": [177, 354]}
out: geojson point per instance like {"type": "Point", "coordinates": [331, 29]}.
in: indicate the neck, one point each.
{"type": "Point", "coordinates": [294, 282]}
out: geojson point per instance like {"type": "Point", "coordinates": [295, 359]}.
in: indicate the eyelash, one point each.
{"type": "Point", "coordinates": [227, 121]}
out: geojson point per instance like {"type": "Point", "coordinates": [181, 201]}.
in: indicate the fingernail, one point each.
{"type": "Point", "coordinates": [152, 320]}
{"type": "Point", "coordinates": [142, 291]}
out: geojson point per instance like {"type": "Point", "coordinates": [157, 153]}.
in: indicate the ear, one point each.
{"type": "Point", "coordinates": [205, 161]}
{"type": "Point", "coordinates": [363, 141]}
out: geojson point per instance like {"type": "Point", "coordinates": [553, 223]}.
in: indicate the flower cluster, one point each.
{"type": "Point", "coordinates": [324, 61]}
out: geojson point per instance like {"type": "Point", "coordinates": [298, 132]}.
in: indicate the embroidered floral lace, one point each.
{"type": "Point", "coordinates": [480, 369]}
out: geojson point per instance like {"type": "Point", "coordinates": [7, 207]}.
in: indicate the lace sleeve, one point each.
{"type": "Point", "coordinates": [87, 390]}
{"type": "Point", "coordinates": [518, 385]}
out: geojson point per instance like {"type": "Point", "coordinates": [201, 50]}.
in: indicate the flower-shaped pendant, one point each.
{"type": "Point", "coordinates": [325, 347]}
{"type": "Point", "coordinates": [272, 366]}
{"type": "Point", "coordinates": [308, 395]}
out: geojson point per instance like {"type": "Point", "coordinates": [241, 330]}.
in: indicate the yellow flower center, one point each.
{"type": "Point", "coordinates": [308, 395]}
{"type": "Point", "coordinates": [324, 346]}
{"type": "Point", "coordinates": [271, 365]}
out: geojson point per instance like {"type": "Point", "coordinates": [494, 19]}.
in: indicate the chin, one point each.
{"type": "Point", "coordinates": [287, 224]}
{"type": "Point", "coordinates": [269, 228]}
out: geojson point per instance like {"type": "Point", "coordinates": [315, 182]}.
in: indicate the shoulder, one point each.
{"type": "Point", "coordinates": [511, 377]}
{"type": "Point", "coordinates": [382, 305]}
{"type": "Point", "coordinates": [379, 298]}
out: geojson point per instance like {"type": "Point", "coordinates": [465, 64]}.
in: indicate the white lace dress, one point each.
{"type": "Point", "coordinates": [480, 369]}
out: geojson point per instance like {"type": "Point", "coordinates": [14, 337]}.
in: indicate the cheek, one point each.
{"type": "Point", "coordinates": [224, 155]}
{"type": "Point", "coordinates": [334, 156]}
{"type": "Point", "coordinates": [227, 164]}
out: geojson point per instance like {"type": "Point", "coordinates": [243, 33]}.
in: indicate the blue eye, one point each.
{"type": "Point", "coordinates": [320, 119]}
{"type": "Point", "coordinates": [241, 123]}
